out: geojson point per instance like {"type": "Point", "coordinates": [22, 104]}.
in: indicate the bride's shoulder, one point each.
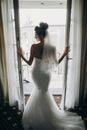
{"type": "Point", "coordinates": [33, 46]}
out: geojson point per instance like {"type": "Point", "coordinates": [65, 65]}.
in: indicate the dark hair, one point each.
{"type": "Point", "coordinates": [41, 29]}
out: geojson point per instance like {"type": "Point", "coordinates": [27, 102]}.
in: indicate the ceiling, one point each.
{"type": "Point", "coordinates": [42, 4]}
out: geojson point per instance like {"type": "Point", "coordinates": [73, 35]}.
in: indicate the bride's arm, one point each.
{"type": "Point", "coordinates": [21, 53]}
{"type": "Point", "coordinates": [66, 51]}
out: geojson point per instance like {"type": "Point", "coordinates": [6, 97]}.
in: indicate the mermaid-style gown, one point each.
{"type": "Point", "coordinates": [41, 111]}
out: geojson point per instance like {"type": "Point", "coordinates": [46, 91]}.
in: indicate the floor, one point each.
{"type": "Point", "coordinates": [57, 98]}
{"type": "Point", "coordinates": [10, 117]}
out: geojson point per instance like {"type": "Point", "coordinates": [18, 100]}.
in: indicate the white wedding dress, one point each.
{"type": "Point", "coordinates": [41, 111]}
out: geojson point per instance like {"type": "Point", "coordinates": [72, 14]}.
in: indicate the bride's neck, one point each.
{"type": "Point", "coordinates": [42, 41]}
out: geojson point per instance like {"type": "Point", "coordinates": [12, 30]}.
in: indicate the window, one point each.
{"type": "Point", "coordinates": [56, 18]}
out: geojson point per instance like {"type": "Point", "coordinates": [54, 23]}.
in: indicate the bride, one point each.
{"type": "Point", "coordinates": [41, 111]}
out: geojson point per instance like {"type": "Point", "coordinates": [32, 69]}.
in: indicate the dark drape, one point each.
{"type": "Point", "coordinates": [83, 79]}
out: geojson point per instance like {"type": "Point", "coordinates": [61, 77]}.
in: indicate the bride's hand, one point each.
{"type": "Point", "coordinates": [21, 52]}
{"type": "Point", "coordinates": [66, 50]}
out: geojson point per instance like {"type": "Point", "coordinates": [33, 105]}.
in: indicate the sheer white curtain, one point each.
{"type": "Point", "coordinates": [13, 81]}
{"type": "Point", "coordinates": [73, 79]}
{"type": "Point", "coordinates": [3, 68]}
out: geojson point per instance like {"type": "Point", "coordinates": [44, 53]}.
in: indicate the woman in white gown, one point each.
{"type": "Point", "coordinates": [41, 111]}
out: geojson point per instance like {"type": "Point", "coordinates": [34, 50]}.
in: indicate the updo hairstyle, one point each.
{"type": "Point", "coordinates": [41, 29]}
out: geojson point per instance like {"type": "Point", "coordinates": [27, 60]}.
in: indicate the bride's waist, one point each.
{"type": "Point", "coordinates": [40, 71]}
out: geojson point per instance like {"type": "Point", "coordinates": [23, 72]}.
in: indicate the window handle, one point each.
{"type": "Point", "coordinates": [70, 58]}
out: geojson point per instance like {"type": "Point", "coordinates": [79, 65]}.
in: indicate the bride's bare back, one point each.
{"type": "Point", "coordinates": [37, 50]}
